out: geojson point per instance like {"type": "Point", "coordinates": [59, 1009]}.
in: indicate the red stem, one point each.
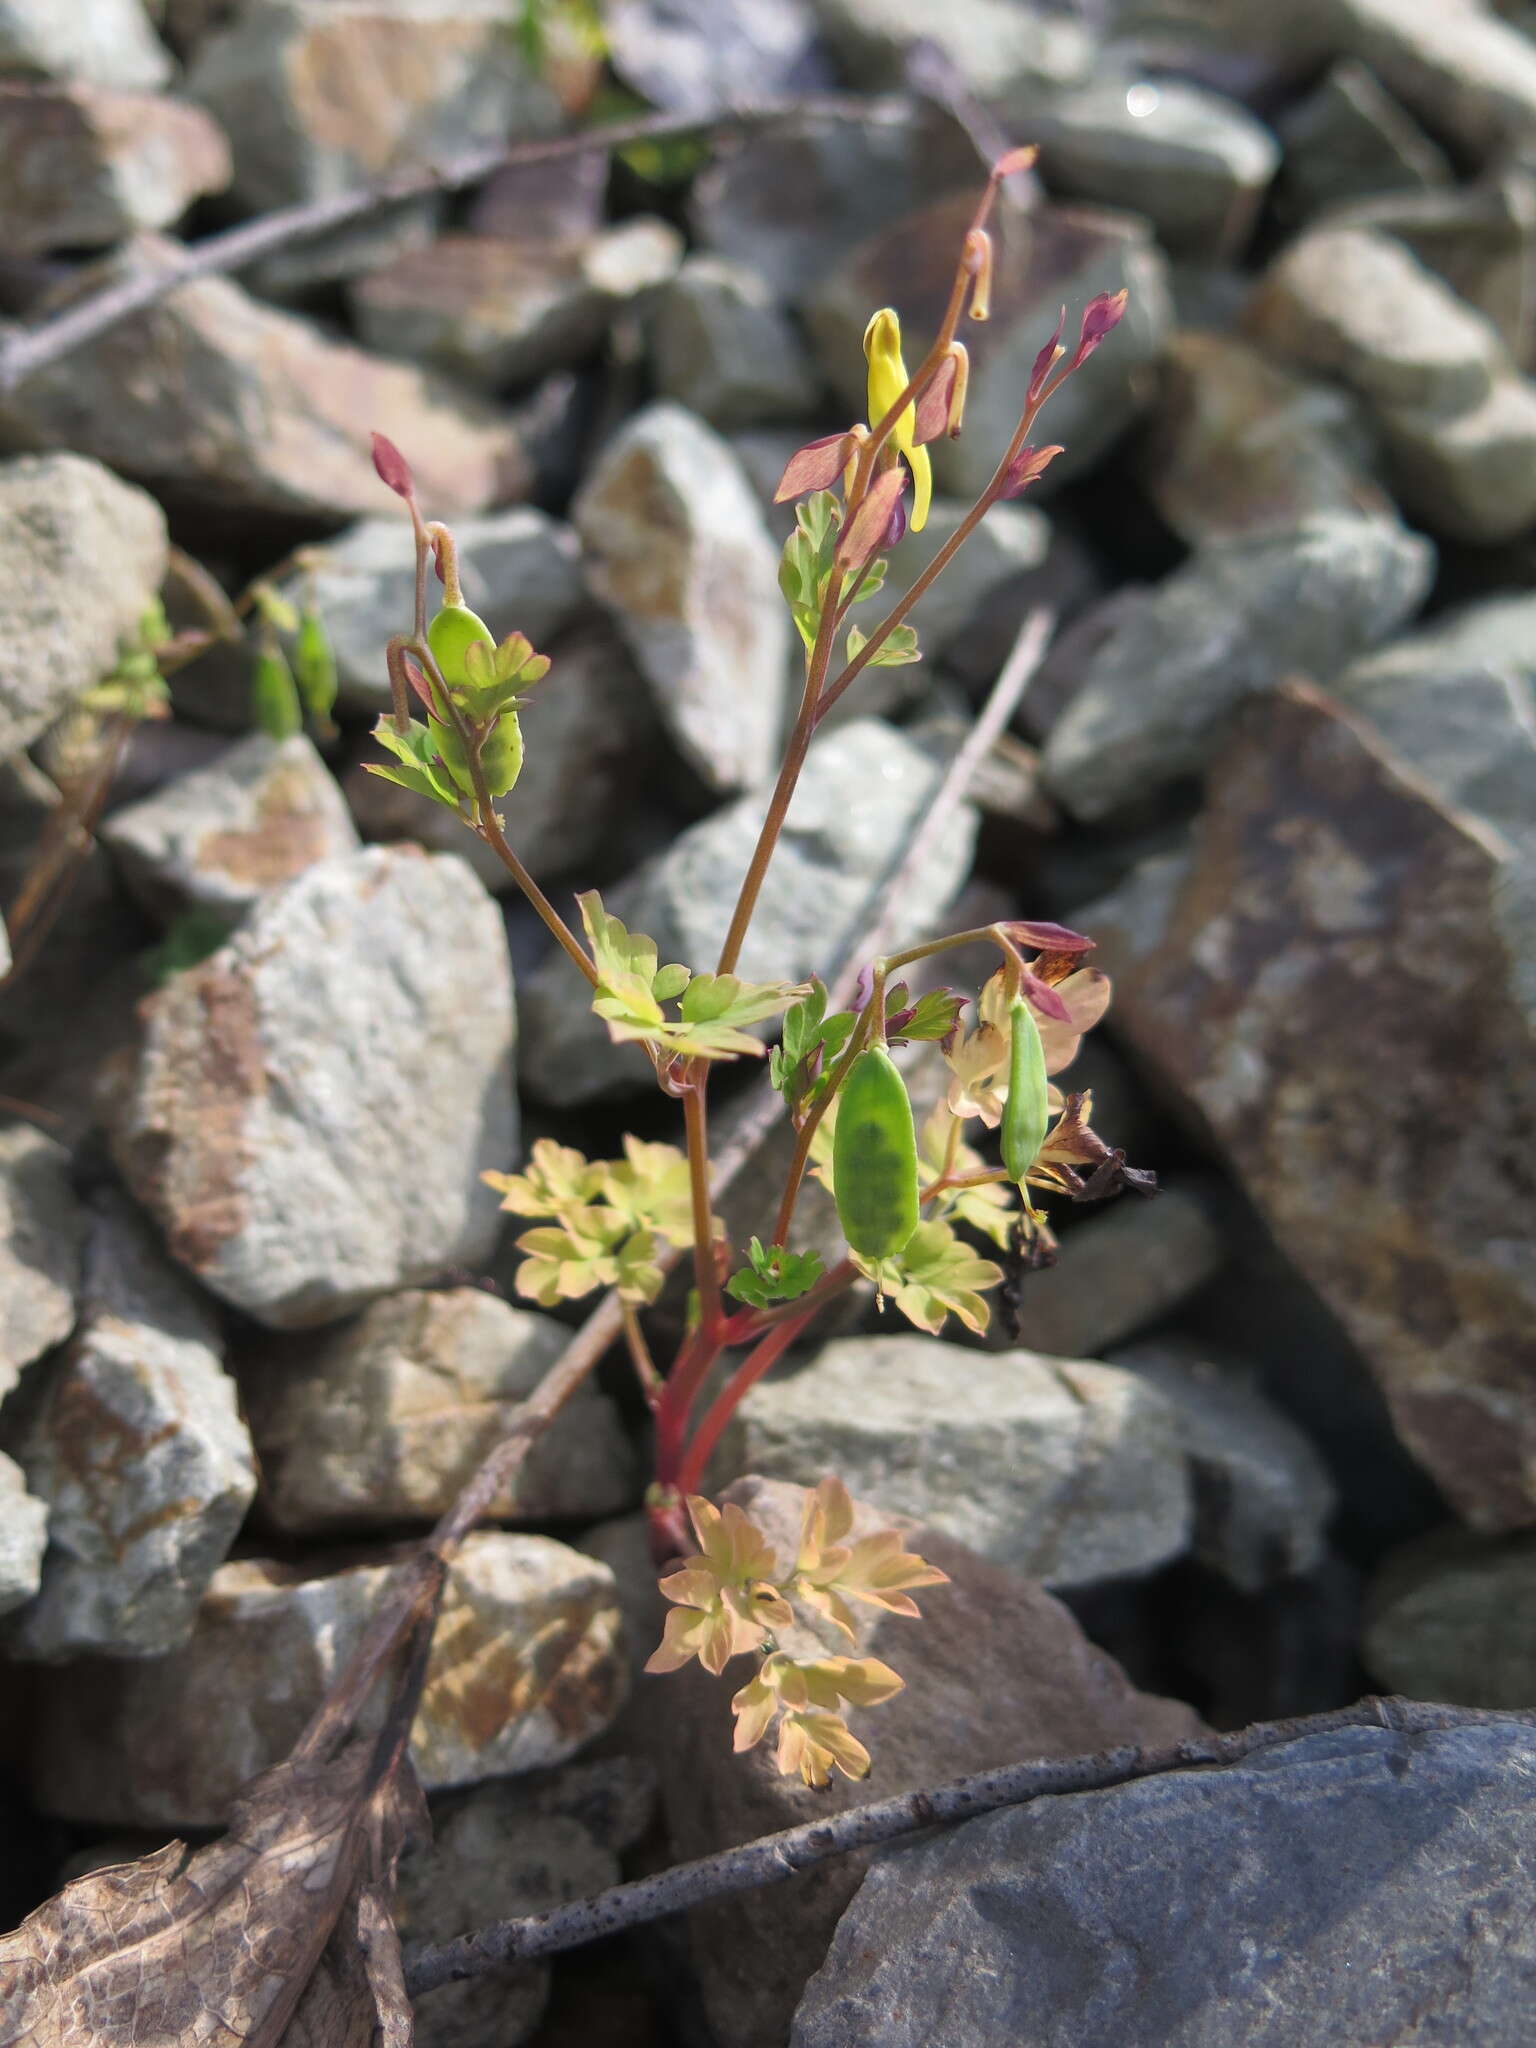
{"type": "Point", "coordinates": [758, 1361]}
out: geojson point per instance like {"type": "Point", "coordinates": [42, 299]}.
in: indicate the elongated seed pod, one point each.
{"type": "Point", "coordinates": [453, 631]}
{"type": "Point", "coordinates": [874, 1157]}
{"type": "Point", "coordinates": [275, 695]}
{"type": "Point", "coordinates": [1026, 1116]}
{"type": "Point", "coordinates": [314, 666]}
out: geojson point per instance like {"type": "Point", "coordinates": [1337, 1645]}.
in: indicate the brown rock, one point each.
{"type": "Point", "coordinates": [1339, 987]}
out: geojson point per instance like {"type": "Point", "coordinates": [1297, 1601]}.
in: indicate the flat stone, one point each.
{"type": "Point", "coordinates": [1468, 75]}
{"type": "Point", "coordinates": [1009, 56]}
{"type": "Point", "coordinates": [321, 96]}
{"type": "Point", "coordinates": [272, 1151]}
{"type": "Point", "coordinates": [1119, 1270]}
{"type": "Point", "coordinates": [84, 554]}
{"type": "Point", "coordinates": [525, 1669]}
{"type": "Point", "coordinates": [680, 554]}
{"type": "Point", "coordinates": [23, 1537]}
{"type": "Point", "coordinates": [80, 167]}
{"type": "Point", "coordinates": [1158, 693]}
{"type": "Point", "coordinates": [383, 1420]}
{"type": "Point", "coordinates": [221, 837]}
{"type": "Point", "coordinates": [1472, 476]}
{"type": "Point", "coordinates": [103, 42]}
{"type": "Point", "coordinates": [1349, 139]}
{"type": "Point", "coordinates": [1262, 1495]}
{"type": "Point", "coordinates": [1369, 1886]}
{"type": "Point", "coordinates": [224, 404]}
{"type": "Point", "coordinates": [1239, 445]}
{"type": "Point", "coordinates": [995, 1670]}
{"type": "Point", "coordinates": [1047, 257]}
{"type": "Point", "coordinates": [863, 789]}
{"type": "Point", "coordinates": [42, 1240]}
{"type": "Point", "coordinates": [1332, 905]}
{"type": "Point", "coordinates": [721, 345]}
{"type": "Point", "coordinates": [137, 1447]}
{"type": "Point", "coordinates": [1453, 1617]}
{"type": "Point", "coordinates": [1195, 163]}
{"type": "Point", "coordinates": [502, 312]}
{"type": "Point", "coordinates": [1065, 1471]}
{"type": "Point", "coordinates": [695, 56]}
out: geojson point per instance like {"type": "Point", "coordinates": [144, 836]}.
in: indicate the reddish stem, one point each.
{"type": "Point", "coordinates": [758, 1361]}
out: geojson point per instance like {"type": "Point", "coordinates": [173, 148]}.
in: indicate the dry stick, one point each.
{"type": "Point", "coordinates": [236, 248]}
{"type": "Point", "coordinates": [773, 1858]}
{"type": "Point", "coordinates": [420, 1579]}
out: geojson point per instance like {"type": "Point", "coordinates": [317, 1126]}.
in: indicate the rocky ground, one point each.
{"type": "Point", "coordinates": [1268, 1443]}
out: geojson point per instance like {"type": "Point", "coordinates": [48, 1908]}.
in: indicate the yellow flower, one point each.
{"type": "Point", "coordinates": [887, 381]}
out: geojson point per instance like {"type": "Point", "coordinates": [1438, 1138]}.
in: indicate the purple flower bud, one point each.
{"type": "Point", "coordinates": [1046, 937]}
{"type": "Point", "coordinates": [1025, 467]}
{"type": "Point", "coordinates": [1045, 361]}
{"type": "Point", "coordinates": [1101, 316]}
{"type": "Point", "coordinates": [394, 471]}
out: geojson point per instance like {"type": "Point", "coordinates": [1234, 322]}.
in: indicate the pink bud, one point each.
{"type": "Point", "coordinates": [815, 467]}
{"type": "Point", "coordinates": [438, 552]}
{"type": "Point", "coordinates": [1046, 937]}
{"type": "Point", "coordinates": [1026, 467]}
{"type": "Point", "coordinates": [932, 414]}
{"type": "Point", "coordinates": [1042, 997]}
{"type": "Point", "coordinates": [896, 525]}
{"type": "Point", "coordinates": [867, 529]}
{"type": "Point", "coordinates": [1045, 361]}
{"type": "Point", "coordinates": [418, 681]}
{"type": "Point", "coordinates": [1101, 316]}
{"type": "Point", "coordinates": [394, 471]}
{"type": "Point", "coordinates": [1016, 160]}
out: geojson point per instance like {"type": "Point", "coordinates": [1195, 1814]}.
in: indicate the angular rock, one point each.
{"type": "Point", "coordinates": [1262, 1495]}
{"type": "Point", "coordinates": [1195, 163]}
{"type": "Point", "coordinates": [864, 788]}
{"type": "Point", "coordinates": [788, 202]}
{"type": "Point", "coordinates": [1465, 73]}
{"type": "Point", "coordinates": [1045, 258]}
{"type": "Point", "coordinates": [1118, 1270]}
{"type": "Point", "coordinates": [382, 1421]}
{"type": "Point", "coordinates": [1453, 1617]}
{"type": "Point", "coordinates": [521, 571]}
{"type": "Point", "coordinates": [502, 312]}
{"type": "Point", "coordinates": [321, 96]}
{"type": "Point", "coordinates": [1472, 476]}
{"type": "Point", "coordinates": [995, 1670]}
{"type": "Point", "coordinates": [1012, 542]}
{"type": "Point", "coordinates": [295, 274]}
{"type": "Point", "coordinates": [42, 1241]}
{"type": "Point", "coordinates": [525, 1668]}
{"type": "Point", "coordinates": [80, 167]}
{"type": "Point", "coordinates": [1349, 139]}
{"type": "Point", "coordinates": [1156, 696]}
{"type": "Point", "coordinates": [84, 556]}
{"type": "Point", "coordinates": [1333, 906]}
{"type": "Point", "coordinates": [1012, 56]}
{"type": "Point", "coordinates": [103, 42]}
{"type": "Point", "coordinates": [590, 741]}
{"type": "Point", "coordinates": [1239, 445]}
{"type": "Point", "coordinates": [23, 1537]}
{"type": "Point", "coordinates": [227, 405]}
{"type": "Point", "coordinates": [138, 1449]}
{"type": "Point", "coordinates": [694, 56]}
{"type": "Point", "coordinates": [221, 837]}
{"type": "Point", "coordinates": [275, 1124]}
{"type": "Point", "coordinates": [1065, 1471]}
{"type": "Point", "coordinates": [721, 346]}
{"type": "Point", "coordinates": [680, 554]}
{"type": "Point", "coordinates": [1369, 1887]}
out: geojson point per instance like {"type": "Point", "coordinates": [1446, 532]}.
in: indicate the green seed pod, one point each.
{"type": "Point", "coordinates": [874, 1157]}
{"type": "Point", "coordinates": [1026, 1116]}
{"type": "Point", "coordinates": [502, 755]}
{"type": "Point", "coordinates": [314, 666]}
{"type": "Point", "coordinates": [275, 695]}
{"type": "Point", "coordinates": [451, 753]}
{"type": "Point", "coordinates": [450, 636]}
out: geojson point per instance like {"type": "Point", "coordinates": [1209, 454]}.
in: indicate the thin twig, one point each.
{"type": "Point", "coordinates": [30, 349]}
{"type": "Point", "coordinates": [773, 1858]}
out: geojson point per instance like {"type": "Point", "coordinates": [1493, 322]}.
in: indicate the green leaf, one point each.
{"type": "Point", "coordinates": [935, 1275]}
{"type": "Point", "coordinates": [811, 1042]}
{"type": "Point", "coordinates": [898, 650]}
{"type": "Point", "coordinates": [934, 1015]}
{"type": "Point", "coordinates": [650, 1187]}
{"type": "Point", "coordinates": [872, 582]}
{"type": "Point", "coordinates": [557, 1181]}
{"type": "Point", "coordinates": [774, 1274]}
{"type": "Point", "coordinates": [421, 769]}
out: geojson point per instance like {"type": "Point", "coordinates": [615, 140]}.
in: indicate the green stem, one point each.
{"type": "Point", "coordinates": [705, 1276]}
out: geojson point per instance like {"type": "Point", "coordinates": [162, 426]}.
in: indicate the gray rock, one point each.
{"type": "Point", "coordinates": [1011, 542]}
{"type": "Point", "coordinates": [274, 1123]}
{"type": "Point", "coordinates": [863, 790]}
{"type": "Point", "coordinates": [1262, 1494]}
{"type": "Point", "coordinates": [103, 42]}
{"type": "Point", "coordinates": [219, 401]}
{"type": "Point", "coordinates": [526, 1667]}
{"type": "Point", "coordinates": [521, 571]}
{"type": "Point", "coordinates": [1044, 259]}
{"type": "Point", "coordinates": [1369, 1886]}
{"type": "Point", "coordinates": [23, 1537]}
{"type": "Point", "coordinates": [680, 554]}
{"type": "Point", "coordinates": [84, 556]}
{"type": "Point", "coordinates": [1471, 476]}
{"type": "Point", "coordinates": [1453, 1617]}
{"type": "Point", "coordinates": [139, 1451]}
{"type": "Point", "coordinates": [1469, 76]}
{"type": "Point", "coordinates": [1011, 56]}
{"type": "Point", "coordinates": [42, 1239]}
{"type": "Point", "coordinates": [721, 346]}
{"type": "Point", "coordinates": [1157, 695]}
{"type": "Point", "coordinates": [1349, 139]}
{"type": "Point", "coordinates": [695, 56]}
{"type": "Point", "coordinates": [1193, 162]}
{"type": "Point", "coordinates": [502, 312]}
{"type": "Point", "coordinates": [383, 1420]}
{"type": "Point", "coordinates": [80, 167]}
{"type": "Point", "coordinates": [1065, 1471]}
{"type": "Point", "coordinates": [294, 274]}
{"type": "Point", "coordinates": [221, 837]}
{"type": "Point", "coordinates": [321, 96]}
